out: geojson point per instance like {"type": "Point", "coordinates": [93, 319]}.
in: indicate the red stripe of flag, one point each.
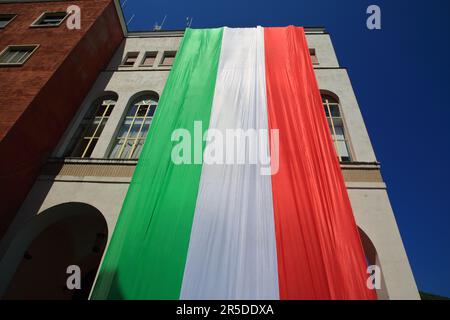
{"type": "Point", "coordinates": [320, 255]}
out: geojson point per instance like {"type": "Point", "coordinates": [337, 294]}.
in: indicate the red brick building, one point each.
{"type": "Point", "coordinates": [50, 70]}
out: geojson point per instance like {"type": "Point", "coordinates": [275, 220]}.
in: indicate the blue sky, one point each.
{"type": "Point", "coordinates": [401, 77]}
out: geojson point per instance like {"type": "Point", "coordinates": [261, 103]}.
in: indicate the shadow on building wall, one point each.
{"type": "Point", "coordinates": [35, 265]}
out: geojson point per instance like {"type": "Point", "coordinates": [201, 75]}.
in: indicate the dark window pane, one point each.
{"type": "Point", "coordinates": [109, 110]}
{"type": "Point", "coordinates": [20, 56]}
{"type": "Point", "coordinates": [338, 122]}
{"type": "Point", "coordinates": [101, 110]}
{"type": "Point", "coordinates": [7, 56]}
{"type": "Point", "coordinates": [312, 53]}
{"type": "Point", "coordinates": [91, 113]}
{"type": "Point", "coordinates": [345, 159]}
{"type": "Point", "coordinates": [91, 148]}
{"type": "Point", "coordinates": [90, 130]}
{"type": "Point", "coordinates": [335, 110]}
{"type": "Point", "coordinates": [75, 140]}
{"type": "Point", "coordinates": [130, 59]}
{"type": "Point", "coordinates": [79, 149]}
{"type": "Point", "coordinates": [100, 128]}
{"type": "Point", "coordinates": [16, 55]}
{"type": "Point", "coordinates": [330, 99]}
{"type": "Point", "coordinates": [51, 18]}
{"type": "Point", "coordinates": [123, 131]}
{"type": "Point", "coordinates": [132, 111]}
{"type": "Point", "coordinates": [138, 149]}
{"type": "Point", "coordinates": [5, 19]}
{"type": "Point", "coordinates": [142, 111]}
{"type": "Point", "coordinates": [152, 110]}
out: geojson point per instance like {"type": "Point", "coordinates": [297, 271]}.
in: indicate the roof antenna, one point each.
{"type": "Point", "coordinates": [189, 22]}
{"type": "Point", "coordinates": [132, 17]}
{"type": "Point", "coordinates": [158, 27]}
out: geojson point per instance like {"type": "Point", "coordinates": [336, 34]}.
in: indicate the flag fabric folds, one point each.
{"type": "Point", "coordinates": [224, 230]}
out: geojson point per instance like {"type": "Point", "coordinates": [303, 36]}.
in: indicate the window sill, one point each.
{"type": "Point", "coordinates": [11, 65]}
{"type": "Point", "coordinates": [356, 165]}
{"type": "Point", "coordinates": [46, 26]}
{"type": "Point", "coordinates": [99, 161]}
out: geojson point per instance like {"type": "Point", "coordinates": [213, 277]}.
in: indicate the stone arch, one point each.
{"type": "Point", "coordinates": [331, 94]}
{"type": "Point", "coordinates": [35, 264]}
{"type": "Point", "coordinates": [368, 246]}
{"type": "Point", "coordinates": [150, 93]}
{"type": "Point", "coordinates": [372, 258]}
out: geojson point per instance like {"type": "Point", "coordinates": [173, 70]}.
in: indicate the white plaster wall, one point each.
{"type": "Point", "coordinates": [338, 82]}
{"type": "Point", "coordinates": [324, 50]}
{"type": "Point", "coordinates": [105, 194]}
{"type": "Point", "coordinates": [374, 215]}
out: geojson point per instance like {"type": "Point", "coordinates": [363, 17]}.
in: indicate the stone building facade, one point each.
{"type": "Point", "coordinates": [81, 187]}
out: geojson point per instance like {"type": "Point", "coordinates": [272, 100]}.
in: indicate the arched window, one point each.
{"type": "Point", "coordinates": [336, 123]}
{"type": "Point", "coordinates": [131, 136]}
{"type": "Point", "coordinates": [86, 137]}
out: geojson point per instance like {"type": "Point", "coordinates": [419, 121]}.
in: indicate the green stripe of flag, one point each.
{"type": "Point", "coordinates": [147, 254]}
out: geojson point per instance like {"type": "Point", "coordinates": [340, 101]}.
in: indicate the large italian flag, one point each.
{"type": "Point", "coordinates": [226, 231]}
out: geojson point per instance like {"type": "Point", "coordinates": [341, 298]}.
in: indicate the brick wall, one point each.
{"type": "Point", "coordinates": [39, 99]}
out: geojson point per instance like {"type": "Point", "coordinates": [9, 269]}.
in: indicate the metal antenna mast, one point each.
{"type": "Point", "coordinates": [159, 27]}
{"type": "Point", "coordinates": [189, 22]}
{"type": "Point", "coordinates": [132, 17]}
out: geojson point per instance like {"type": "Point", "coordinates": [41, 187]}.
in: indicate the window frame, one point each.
{"type": "Point", "coordinates": [36, 22]}
{"type": "Point", "coordinates": [330, 121]}
{"type": "Point", "coordinates": [12, 15]}
{"type": "Point", "coordinates": [165, 55]}
{"type": "Point", "coordinates": [313, 53]}
{"type": "Point", "coordinates": [89, 121]}
{"type": "Point", "coordinates": [15, 64]}
{"type": "Point", "coordinates": [149, 54]}
{"type": "Point", "coordinates": [153, 97]}
{"type": "Point", "coordinates": [127, 56]}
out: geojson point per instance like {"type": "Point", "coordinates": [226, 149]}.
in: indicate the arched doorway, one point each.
{"type": "Point", "coordinates": [372, 259]}
{"type": "Point", "coordinates": [369, 248]}
{"type": "Point", "coordinates": [62, 236]}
